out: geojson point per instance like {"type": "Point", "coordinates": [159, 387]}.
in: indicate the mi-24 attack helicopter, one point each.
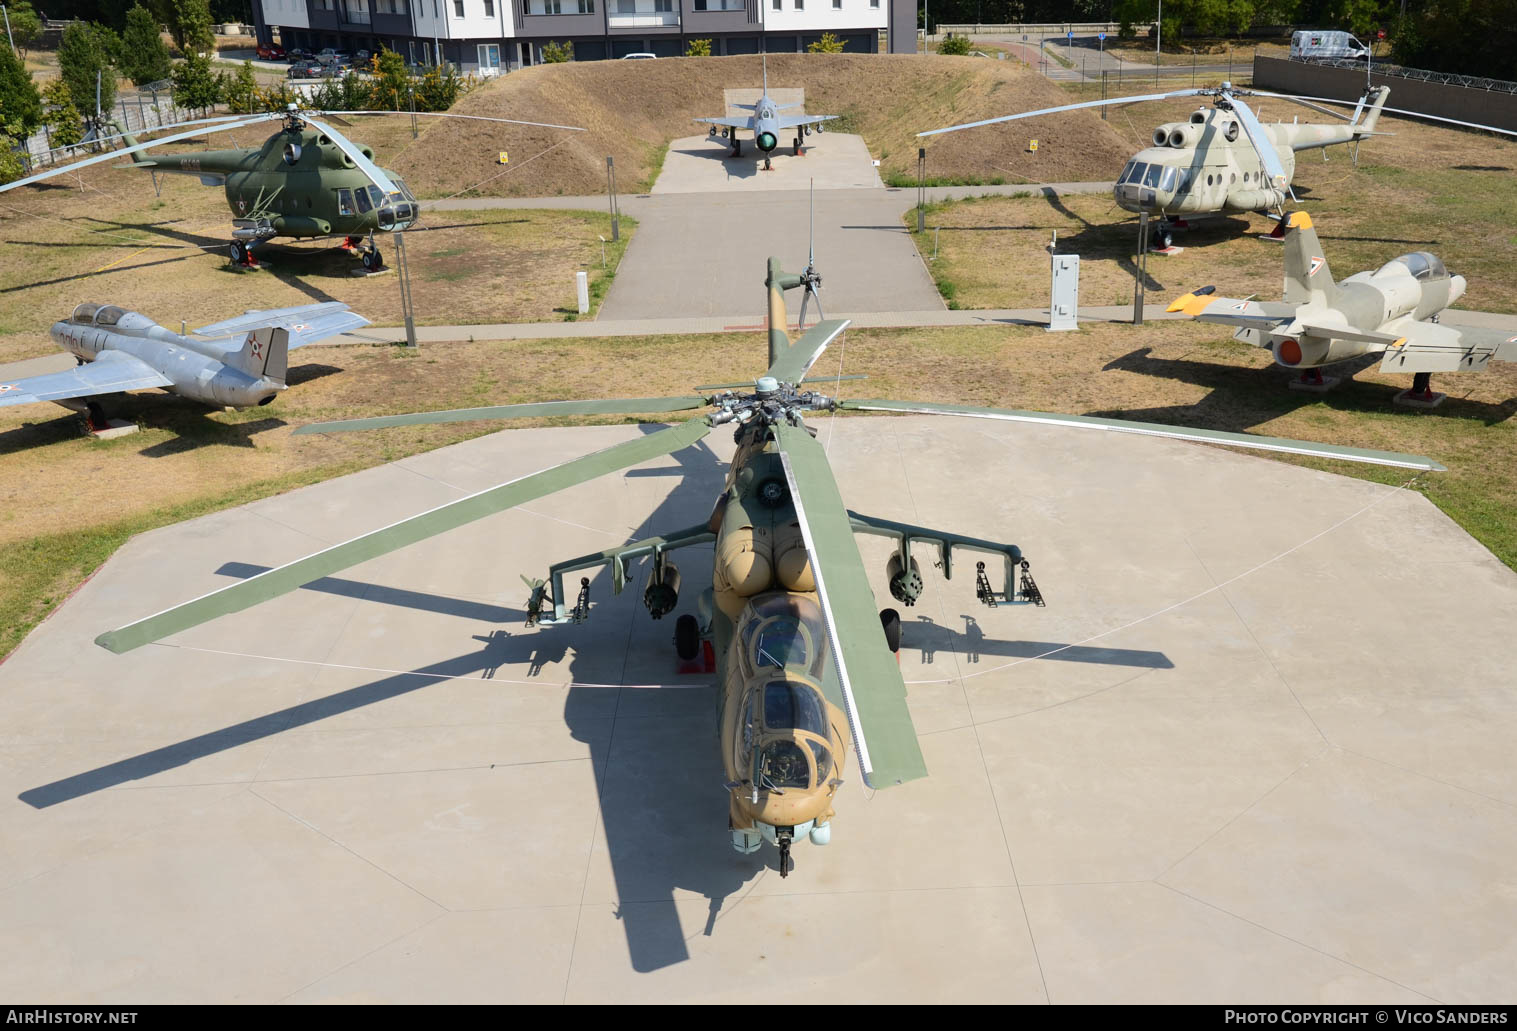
{"type": "Point", "coordinates": [803, 655]}
{"type": "Point", "coordinates": [306, 180]}
{"type": "Point", "coordinates": [1224, 160]}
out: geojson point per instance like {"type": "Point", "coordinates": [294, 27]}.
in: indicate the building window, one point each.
{"type": "Point", "coordinates": [489, 8]}
{"type": "Point", "coordinates": [837, 5]}
{"type": "Point", "coordinates": [800, 5]}
{"type": "Point", "coordinates": [458, 8]}
{"type": "Point", "coordinates": [700, 5]}
{"type": "Point", "coordinates": [586, 6]}
{"type": "Point", "coordinates": [777, 5]}
{"type": "Point", "coordinates": [663, 6]}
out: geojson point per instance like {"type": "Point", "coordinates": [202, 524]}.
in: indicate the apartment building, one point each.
{"type": "Point", "coordinates": [487, 36]}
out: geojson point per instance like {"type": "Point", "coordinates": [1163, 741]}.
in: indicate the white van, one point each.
{"type": "Point", "coordinates": [1312, 45]}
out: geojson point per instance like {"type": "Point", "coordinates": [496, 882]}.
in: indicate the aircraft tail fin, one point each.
{"type": "Point", "coordinates": [1367, 126]}
{"type": "Point", "coordinates": [264, 352]}
{"type": "Point", "coordinates": [766, 72]}
{"type": "Point", "coordinates": [1307, 277]}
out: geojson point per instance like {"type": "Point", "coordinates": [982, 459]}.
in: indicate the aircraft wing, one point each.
{"type": "Point", "coordinates": [113, 371]}
{"type": "Point", "coordinates": [731, 123]}
{"type": "Point", "coordinates": [792, 121]}
{"type": "Point", "coordinates": [306, 323]}
{"type": "Point", "coordinates": [1434, 347]}
{"type": "Point", "coordinates": [1205, 306]}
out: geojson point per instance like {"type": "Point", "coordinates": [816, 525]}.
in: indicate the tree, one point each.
{"type": "Point", "coordinates": [64, 123]}
{"type": "Point", "coordinates": [557, 53]}
{"type": "Point", "coordinates": [195, 84]}
{"type": "Point", "coordinates": [240, 91]}
{"type": "Point", "coordinates": [11, 167]}
{"type": "Point", "coordinates": [828, 44]}
{"type": "Point", "coordinates": [698, 48]}
{"type": "Point", "coordinates": [144, 55]}
{"type": "Point", "coordinates": [189, 23]}
{"type": "Point", "coordinates": [86, 52]}
{"type": "Point", "coordinates": [391, 86]}
{"type": "Point", "coordinates": [438, 89]}
{"type": "Point", "coordinates": [20, 105]}
{"type": "Point", "coordinates": [26, 27]}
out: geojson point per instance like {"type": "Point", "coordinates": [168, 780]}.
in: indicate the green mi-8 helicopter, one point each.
{"type": "Point", "coordinates": [306, 180]}
{"type": "Point", "coordinates": [801, 654]}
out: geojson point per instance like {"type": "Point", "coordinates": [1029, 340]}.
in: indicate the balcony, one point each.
{"type": "Point", "coordinates": [642, 14]}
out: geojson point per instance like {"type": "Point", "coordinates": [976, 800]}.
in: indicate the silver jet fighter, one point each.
{"type": "Point", "coordinates": [238, 363]}
{"type": "Point", "coordinates": [1391, 311]}
{"type": "Point", "coordinates": [766, 123]}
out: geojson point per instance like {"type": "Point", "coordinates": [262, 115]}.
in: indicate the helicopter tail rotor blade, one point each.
{"type": "Point", "coordinates": [1152, 429]}
{"type": "Point", "coordinates": [545, 409]}
{"type": "Point", "coordinates": [870, 690]}
{"type": "Point", "coordinates": [286, 578]}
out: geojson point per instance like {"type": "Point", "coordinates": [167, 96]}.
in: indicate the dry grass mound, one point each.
{"type": "Point", "coordinates": [631, 109]}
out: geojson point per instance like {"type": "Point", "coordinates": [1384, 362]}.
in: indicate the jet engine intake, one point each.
{"type": "Point", "coordinates": [905, 582]}
{"type": "Point", "coordinates": [661, 593]}
{"type": "Point", "coordinates": [767, 141]}
{"type": "Point", "coordinates": [1184, 135]}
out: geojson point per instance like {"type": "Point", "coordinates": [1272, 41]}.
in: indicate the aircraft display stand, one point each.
{"type": "Point", "coordinates": [1420, 394]}
{"type": "Point", "coordinates": [115, 428]}
{"type": "Point", "coordinates": [1313, 382]}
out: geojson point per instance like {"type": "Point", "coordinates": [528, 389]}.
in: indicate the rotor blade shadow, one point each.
{"type": "Point", "coordinates": [463, 608]}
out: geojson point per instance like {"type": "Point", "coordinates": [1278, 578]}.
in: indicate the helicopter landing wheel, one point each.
{"type": "Point", "coordinates": [372, 260]}
{"type": "Point", "coordinates": [890, 622]}
{"type": "Point", "coordinates": [687, 637]}
{"type": "Point", "coordinates": [1166, 239]}
{"type": "Point", "coordinates": [239, 253]}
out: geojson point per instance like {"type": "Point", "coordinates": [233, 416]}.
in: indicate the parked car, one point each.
{"type": "Point", "coordinates": [362, 59]}
{"type": "Point", "coordinates": [639, 57]}
{"type": "Point", "coordinates": [270, 52]}
{"type": "Point", "coordinates": [1311, 45]}
{"type": "Point", "coordinates": [307, 69]}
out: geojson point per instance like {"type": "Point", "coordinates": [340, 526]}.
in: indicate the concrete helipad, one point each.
{"type": "Point", "coordinates": [1256, 748]}
{"type": "Point", "coordinates": [704, 164]}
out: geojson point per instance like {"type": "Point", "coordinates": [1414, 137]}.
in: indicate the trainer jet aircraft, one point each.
{"type": "Point", "coordinates": [1391, 311]}
{"type": "Point", "coordinates": [801, 652]}
{"type": "Point", "coordinates": [766, 123]}
{"type": "Point", "coordinates": [239, 363]}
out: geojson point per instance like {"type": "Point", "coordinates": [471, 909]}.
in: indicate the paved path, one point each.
{"type": "Point", "coordinates": [1266, 768]}
{"type": "Point", "coordinates": [704, 164]}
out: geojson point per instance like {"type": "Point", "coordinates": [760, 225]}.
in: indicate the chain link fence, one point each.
{"type": "Point", "coordinates": [1421, 75]}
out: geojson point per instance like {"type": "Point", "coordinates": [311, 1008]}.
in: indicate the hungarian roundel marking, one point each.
{"type": "Point", "coordinates": [8, 386]}
{"type": "Point", "coordinates": [1316, 264]}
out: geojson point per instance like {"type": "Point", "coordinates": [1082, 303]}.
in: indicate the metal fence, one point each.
{"type": "Point", "coordinates": [135, 112]}
{"type": "Point", "coordinates": [1421, 75]}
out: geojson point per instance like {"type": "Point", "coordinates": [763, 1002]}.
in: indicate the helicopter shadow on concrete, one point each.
{"type": "Point", "coordinates": [928, 637]}
{"type": "Point", "coordinates": [658, 772]}
{"type": "Point", "coordinates": [1243, 397]}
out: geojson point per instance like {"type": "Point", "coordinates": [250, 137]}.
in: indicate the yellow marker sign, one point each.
{"type": "Point", "coordinates": [1032, 146]}
{"type": "Point", "coordinates": [503, 158]}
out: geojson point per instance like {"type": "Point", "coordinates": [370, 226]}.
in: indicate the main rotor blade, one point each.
{"type": "Point", "coordinates": [874, 695]}
{"type": "Point", "coordinates": [611, 406]}
{"type": "Point", "coordinates": [1262, 146]}
{"type": "Point", "coordinates": [748, 384]}
{"type": "Point", "coordinates": [792, 366]}
{"type": "Point", "coordinates": [448, 114]}
{"type": "Point", "coordinates": [1153, 429]}
{"type": "Point", "coordinates": [271, 584]}
{"type": "Point", "coordinates": [112, 155]}
{"type": "Point", "coordinates": [1303, 101]}
{"type": "Point", "coordinates": [374, 172]}
{"type": "Point", "coordinates": [1069, 107]}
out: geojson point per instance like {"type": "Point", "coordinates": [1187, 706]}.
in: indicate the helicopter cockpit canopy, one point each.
{"type": "Point", "coordinates": [399, 208]}
{"type": "Point", "coordinates": [784, 630]}
{"type": "Point", "coordinates": [1422, 265]}
{"type": "Point", "coordinates": [787, 759]}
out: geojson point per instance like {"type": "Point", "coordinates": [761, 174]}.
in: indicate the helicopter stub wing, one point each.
{"type": "Point", "coordinates": [283, 579]}
{"type": "Point", "coordinates": [873, 693]}
{"type": "Point", "coordinates": [1155, 429]}
{"type": "Point", "coordinates": [112, 372]}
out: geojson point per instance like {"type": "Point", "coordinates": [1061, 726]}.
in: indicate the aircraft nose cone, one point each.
{"type": "Point", "coordinates": [1456, 288]}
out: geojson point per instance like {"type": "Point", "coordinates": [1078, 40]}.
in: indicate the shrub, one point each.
{"type": "Point", "coordinates": [828, 44]}
{"type": "Point", "coordinates": [957, 46]}
{"type": "Point", "coordinates": [241, 91]}
{"type": "Point", "coordinates": [557, 53]}
{"type": "Point", "coordinates": [391, 88]}
{"type": "Point", "coordinates": [195, 84]}
{"type": "Point", "coordinates": [20, 104]}
{"type": "Point", "coordinates": [698, 48]}
{"type": "Point", "coordinates": [63, 121]}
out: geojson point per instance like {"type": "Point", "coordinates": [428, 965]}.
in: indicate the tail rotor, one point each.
{"type": "Point", "coordinates": [811, 279]}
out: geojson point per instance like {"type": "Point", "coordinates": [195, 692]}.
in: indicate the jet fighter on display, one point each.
{"type": "Point", "coordinates": [766, 123]}
{"type": "Point", "coordinates": [1391, 311]}
{"type": "Point", "coordinates": [801, 651]}
{"type": "Point", "coordinates": [238, 363]}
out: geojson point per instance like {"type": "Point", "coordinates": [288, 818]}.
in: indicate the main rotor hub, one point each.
{"type": "Point", "coordinates": [772, 401]}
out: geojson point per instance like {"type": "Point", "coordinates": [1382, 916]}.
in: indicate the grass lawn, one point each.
{"type": "Point", "coordinates": [189, 461]}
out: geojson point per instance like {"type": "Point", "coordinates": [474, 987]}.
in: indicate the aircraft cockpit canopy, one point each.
{"type": "Point", "coordinates": [109, 315]}
{"type": "Point", "coordinates": [1421, 264]}
{"type": "Point", "coordinates": [84, 315]}
{"type": "Point", "coordinates": [788, 707]}
{"type": "Point", "coordinates": [786, 631]}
